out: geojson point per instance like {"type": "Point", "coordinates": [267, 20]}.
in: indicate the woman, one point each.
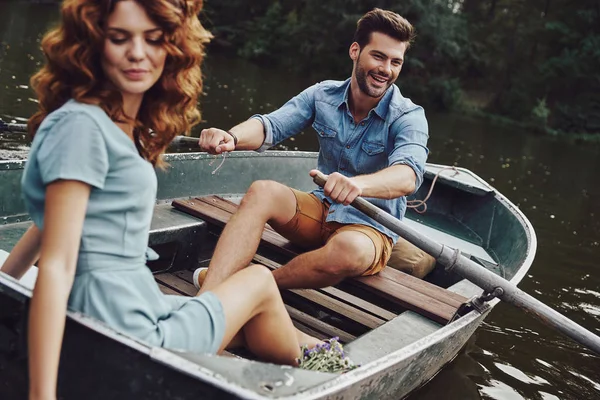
{"type": "Point", "coordinates": [121, 80]}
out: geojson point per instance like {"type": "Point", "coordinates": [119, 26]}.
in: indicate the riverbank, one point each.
{"type": "Point", "coordinates": [474, 103]}
{"type": "Point", "coordinates": [530, 127]}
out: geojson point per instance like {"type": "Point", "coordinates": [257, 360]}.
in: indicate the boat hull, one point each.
{"type": "Point", "coordinates": [97, 363]}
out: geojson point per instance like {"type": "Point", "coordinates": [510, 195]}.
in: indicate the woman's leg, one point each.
{"type": "Point", "coordinates": [252, 303]}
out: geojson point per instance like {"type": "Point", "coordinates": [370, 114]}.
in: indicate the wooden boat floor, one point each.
{"type": "Point", "coordinates": [388, 287]}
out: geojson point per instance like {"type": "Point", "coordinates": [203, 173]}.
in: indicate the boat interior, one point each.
{"type": "Point", "coordinates": [463, 212]}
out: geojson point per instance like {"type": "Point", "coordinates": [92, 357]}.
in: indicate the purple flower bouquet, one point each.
{"type": "Point", "coordinates": [326, 357]}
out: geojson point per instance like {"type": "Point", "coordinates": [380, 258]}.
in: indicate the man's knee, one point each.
{"type": "Point", "coordinates": [349, 254]}
{"type": "Point", "coordinates": [261, 194]}
{"type": "Point", "coordinates": [265, 191]}
{"type": "Point", "coordinates": [257, 192]}
{"type": "Point", "coordinates": [271, 200]}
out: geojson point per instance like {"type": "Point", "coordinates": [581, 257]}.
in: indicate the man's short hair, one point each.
{"type": "Point", "coordinates": [386, 22]}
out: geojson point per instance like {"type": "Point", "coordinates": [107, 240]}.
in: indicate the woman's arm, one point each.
{"type": "Point", "coordinates": [66, 203]}
{"type": "Point", "coordinates": [25, 253]}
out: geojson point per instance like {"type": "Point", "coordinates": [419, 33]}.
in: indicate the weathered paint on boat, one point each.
{"type": "Point", "coordinates": [395, 358]}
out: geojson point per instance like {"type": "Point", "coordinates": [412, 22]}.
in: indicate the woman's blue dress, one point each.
{"type": "Point", "coordinates": [112, 283]}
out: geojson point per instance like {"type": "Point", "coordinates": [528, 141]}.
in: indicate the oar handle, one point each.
{"type": "Point", "coordinates": [185, 140]}
{"type": "Point", "coordinates": [485, 279]}
{"type": "Point", "coordinates": [320, 179]}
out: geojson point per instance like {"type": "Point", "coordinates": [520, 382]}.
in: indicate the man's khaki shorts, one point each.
{"type": "Point", "coordinates": [309, 230]}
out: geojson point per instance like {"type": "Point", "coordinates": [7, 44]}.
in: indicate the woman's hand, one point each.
{"type": "Point", "coordinates": [24, 254]}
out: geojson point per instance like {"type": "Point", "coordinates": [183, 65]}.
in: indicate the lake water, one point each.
{"type": "Point", "coordinates": [556, 184]}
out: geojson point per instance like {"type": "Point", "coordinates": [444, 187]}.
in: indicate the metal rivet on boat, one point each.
{"type": "Point", "coordinates": [267, 387]}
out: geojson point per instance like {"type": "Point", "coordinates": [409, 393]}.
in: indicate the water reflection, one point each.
{"type": "Point", "coordinates": [554, 183]}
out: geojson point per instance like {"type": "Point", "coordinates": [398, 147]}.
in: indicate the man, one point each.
{"type": "Point", "coordinates": [372, 144]}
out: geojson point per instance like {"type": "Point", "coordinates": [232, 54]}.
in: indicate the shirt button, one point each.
{"type": "Point", "coordinates": [347, 147]}
{"type": "Point", "coordinates": [362, 124]}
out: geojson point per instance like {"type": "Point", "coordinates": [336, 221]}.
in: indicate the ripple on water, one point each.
{"type": "Point", "coordinates": [500, 391]}
{"type": "Point", "coordinates": [548, 396]}
{"type": "Point", "coordinates": [590, 309]}
{"type": "Point", "coordinates": [595, 385]}
{"type": "Point", "coordinates": [17, 153]}
{"type": "Point", "coordinates": [545, 364]}
{"type": "Point", "coordinates": [520, 375]}
{"type": "Point", "coordinates": [587, 291]}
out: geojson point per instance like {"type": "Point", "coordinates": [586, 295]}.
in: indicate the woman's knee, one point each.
{"type": "Point", "coordinates": [262, 281]}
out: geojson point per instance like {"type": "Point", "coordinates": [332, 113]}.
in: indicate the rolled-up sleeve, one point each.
{"type": "Point", "coordinates": [288, 120]}
{"type": "Point", "coordinates": [410, 142]}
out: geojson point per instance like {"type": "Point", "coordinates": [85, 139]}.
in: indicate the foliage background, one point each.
{"type": "Point", "coordinates": [534, 62]}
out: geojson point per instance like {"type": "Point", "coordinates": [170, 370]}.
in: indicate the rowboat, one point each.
{"type": "Point", "coordinates": [401, 330]}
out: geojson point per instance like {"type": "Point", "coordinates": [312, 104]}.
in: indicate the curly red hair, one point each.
{"type": "Point", "coordinates": [73, 70]}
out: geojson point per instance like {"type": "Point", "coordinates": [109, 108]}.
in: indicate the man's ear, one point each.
{"type": "Point", "coordinates": [354, 51]}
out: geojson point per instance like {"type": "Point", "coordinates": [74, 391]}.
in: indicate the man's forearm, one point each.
{"type": "Point", "coordinates": [389, 183]}
{"type": "Point", "coordinates": [250, 134]}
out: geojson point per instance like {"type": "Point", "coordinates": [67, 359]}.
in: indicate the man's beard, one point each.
{"type": "Point", "coordinates": [361, 79]}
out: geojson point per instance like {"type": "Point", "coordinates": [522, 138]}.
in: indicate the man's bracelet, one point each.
{"type": "Point", "coordinates": [235, 139]}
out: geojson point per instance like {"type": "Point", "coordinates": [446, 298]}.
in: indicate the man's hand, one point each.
{"type": "Point", "coordinates": [340, 188]}
{"type": "Point", "coordinates": [216, 141]}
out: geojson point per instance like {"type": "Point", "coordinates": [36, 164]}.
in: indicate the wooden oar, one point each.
{"type": "Point", "coordinates": [485, 279]}
{"type": "Point", "coordinates": [10, 127]}
{"type": "Point", "coordinates": [185, 141]}
{"type": "Point", "coordinates": [22, 128]}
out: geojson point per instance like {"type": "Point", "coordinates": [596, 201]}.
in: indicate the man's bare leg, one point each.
{"type": "Point", "coordinates": [264, 201]}
{"type": "Point", "coordinates": [347, 254]}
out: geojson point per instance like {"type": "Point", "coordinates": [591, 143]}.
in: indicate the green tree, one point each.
{"type": "Point", "coordinates": [514, 52]}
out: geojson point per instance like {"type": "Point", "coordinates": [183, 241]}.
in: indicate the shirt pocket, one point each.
{"type": "Point", "coordinates": [323, 130]}
{"type": "Point", "coordinates": [372, 148]}
{"type": "Point", "coordinates": [371, 157]}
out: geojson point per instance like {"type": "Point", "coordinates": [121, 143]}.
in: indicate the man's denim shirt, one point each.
{"type": "Point", "coordinates": [394, 132]}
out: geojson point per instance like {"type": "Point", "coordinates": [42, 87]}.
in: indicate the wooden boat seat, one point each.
{"type": "Point", "coordinates": [171, 231]}
{"type": "Point", "coordinates": [169, 225]}
{"type": "Point", "coordinates": [400, 288]}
